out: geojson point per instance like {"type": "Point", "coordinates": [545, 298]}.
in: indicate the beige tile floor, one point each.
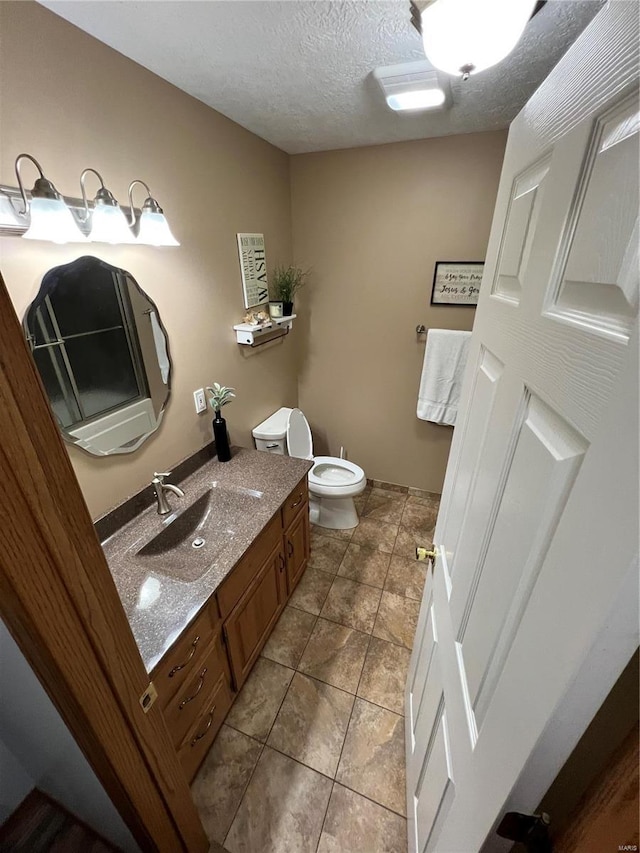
{"type": "Point", "coordinates": [311, 756]}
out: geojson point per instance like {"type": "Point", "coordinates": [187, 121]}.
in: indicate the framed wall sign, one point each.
{"type": "Point", "coordinates": [456, 282]}
{"type": "Point", "coordinates": [253, 266]}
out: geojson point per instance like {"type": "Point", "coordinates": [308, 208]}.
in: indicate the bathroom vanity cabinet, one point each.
{"type": "Point", "coordinates": [198, 677]}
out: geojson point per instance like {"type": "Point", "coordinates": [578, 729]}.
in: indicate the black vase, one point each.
{"type": "Point", "coordinates": [221, 437]}
{"type": "Point", "coordinates": [287, 309]}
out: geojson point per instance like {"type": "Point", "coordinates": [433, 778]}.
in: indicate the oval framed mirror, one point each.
{"type": "Point", "coordinates": [103, 355]}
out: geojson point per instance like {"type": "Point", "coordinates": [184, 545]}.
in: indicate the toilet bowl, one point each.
{"type": "Point", "coordinates": [333, 482]}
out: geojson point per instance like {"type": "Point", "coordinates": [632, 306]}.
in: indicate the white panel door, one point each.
{"type": "Point", "coordinates": [523, 627]}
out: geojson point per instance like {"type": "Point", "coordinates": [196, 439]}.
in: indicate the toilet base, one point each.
{"type": "Point", "coordinates": [333, 513]}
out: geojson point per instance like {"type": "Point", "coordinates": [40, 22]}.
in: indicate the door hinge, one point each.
{"type": "Point", "coordinates": [532, 830]}
{"type": "Point", "coordinates": [148, 697]}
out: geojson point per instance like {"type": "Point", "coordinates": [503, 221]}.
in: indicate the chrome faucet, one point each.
{"type": "Point", "coordinates": [159, 489]}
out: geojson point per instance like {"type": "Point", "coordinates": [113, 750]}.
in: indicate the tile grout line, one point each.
{"type": "Point", "coordinates": [346, 733]}
{"type": "Point", "coordinates": [246, 788]}
{"type": "Point", "coordinates": [326, 812]}
{"type": "Point", "coordinates": [333, 784]}
{"type": "Point", "coordinates": [264, 744]}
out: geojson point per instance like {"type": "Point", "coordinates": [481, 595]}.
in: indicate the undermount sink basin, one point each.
{"type": "Point", "coordinates": [190, 542]}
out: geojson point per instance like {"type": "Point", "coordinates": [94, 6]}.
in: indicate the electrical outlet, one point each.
{"type": "Point", "coordinates": [200, 401]}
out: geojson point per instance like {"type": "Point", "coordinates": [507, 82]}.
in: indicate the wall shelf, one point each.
{"type": "Point", "coordinates": [254, 336]}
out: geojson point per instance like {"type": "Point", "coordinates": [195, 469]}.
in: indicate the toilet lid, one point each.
{"type": "Point", "coordinates": [299, 441]}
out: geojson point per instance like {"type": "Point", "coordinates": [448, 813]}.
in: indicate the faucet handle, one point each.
{"type": "Point", "coordinates": [158, 477]}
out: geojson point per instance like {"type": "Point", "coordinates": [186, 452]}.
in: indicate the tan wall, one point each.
{"type": "Point", "coordinates": [73, 102]}
{"type": "Point", "coordinates": [372, 222]}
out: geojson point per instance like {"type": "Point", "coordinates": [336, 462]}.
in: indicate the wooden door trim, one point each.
{"type": "Point", "coordinates": [59, 602]}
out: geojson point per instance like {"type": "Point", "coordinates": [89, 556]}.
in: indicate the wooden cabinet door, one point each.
{"type": "Point", "coordinates": [252, 619]}
{"type": "Point", "coordinates": [296, 543]}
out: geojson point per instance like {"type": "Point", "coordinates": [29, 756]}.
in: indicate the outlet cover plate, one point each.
{"type": "Point", "coordinates": [200, 401]}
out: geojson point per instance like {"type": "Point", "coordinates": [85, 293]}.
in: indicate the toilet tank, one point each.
{"type": "Point", "coordinates": [271, 434]}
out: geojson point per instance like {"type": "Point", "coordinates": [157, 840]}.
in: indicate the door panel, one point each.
{"type": "Point", "coordinates": [489, 472]}
{"type": "Point", "coordinates": [597, 282]}
{"type": "Point", "coordinates": [428, 696]}
{"type": "Point", "coordinates": [475, 431]}
{"type": "Point", "coordinates": [247, 628]}
{"type": "Point", "coordinates": [435, 786]}
{"type": "Point", "coordinates": [539, 515]}
{"type": "Point", "coordinates": [519, 231]}
{"type": "Point", "coordinates": [545, 464]}
{"type": "Point", "coordinates": [296, 539]}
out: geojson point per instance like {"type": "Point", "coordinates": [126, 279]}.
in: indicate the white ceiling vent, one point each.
{"type": "Point", "coordinates": [413, 86]}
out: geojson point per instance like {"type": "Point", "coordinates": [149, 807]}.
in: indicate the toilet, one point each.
{"type": "Point", "coordinates": [333, 482]}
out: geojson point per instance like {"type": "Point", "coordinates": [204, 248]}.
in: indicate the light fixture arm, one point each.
{"type": "Point", "coordinates": [150, 203]}
{"type": "Point", "coordinates": [102, 189]}
{"type": "Point", "coordinates": [43, 188]}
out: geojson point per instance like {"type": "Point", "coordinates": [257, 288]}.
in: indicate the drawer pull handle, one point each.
{"type": "Point", "coordinates": [198, 689]}
{"type": "Point", "coordinates": [281, 558]}
{"type": "Point", "coordinates": [206, 728]}
{"type": "Point", "coordinates": [189, 656]}
{"type": "Point", "coordinates": [298, 502]}
{"type": "Point", "coordinates": [289, 548]}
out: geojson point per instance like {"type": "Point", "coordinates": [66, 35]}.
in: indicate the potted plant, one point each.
{"type": "Point", "coordinates": [219, 396]}
{"type": "Point", "coordinates": [286, 282]}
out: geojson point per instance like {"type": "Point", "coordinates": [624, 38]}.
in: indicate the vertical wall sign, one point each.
{"type": "Point", "coordinates": [253, 266]}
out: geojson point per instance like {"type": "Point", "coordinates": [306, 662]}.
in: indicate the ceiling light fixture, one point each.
{"type": "Point", "coordinates": [108, 222]}
{"type": "Point", "coordinates": [50, 218]}
{"type": "Point", "coordinates": [464, 37]}
{"type": "Point", "coordinates": [411, 87]}
{"type": "Point", "coordinates": [153, 228]}
{"type": "Point", "coordinates": [419, 99]}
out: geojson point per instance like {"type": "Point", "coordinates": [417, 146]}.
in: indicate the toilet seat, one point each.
{"type": "Point", "coordinates": [330, 477]}
{"type": "Point", "coordinates": [333, 477]}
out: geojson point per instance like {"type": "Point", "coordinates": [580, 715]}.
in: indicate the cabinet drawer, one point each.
{"type": "Point", "coordinates": [180, 663]}
{"type": "Point", "coordinates": [199, 739]}
{"type": "Point", "coordinates": [295, 502]}
{"type": "Point", "coordinates": [244, 573]}
{"type": "Point", "coordinates": [187, 705]}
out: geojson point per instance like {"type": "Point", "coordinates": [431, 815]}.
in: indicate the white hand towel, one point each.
{"type": "Point", "coordinates": [161, 347]}
{"type": "Point", "coordinates": [445, 357]}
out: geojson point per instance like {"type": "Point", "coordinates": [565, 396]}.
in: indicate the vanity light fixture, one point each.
{"type": "Point", "coordinates": [108, 222]}
{"type": "Point", "coordinates": [153, 228]}
{"type": "Point", "coordinates": [464, 37]}
{"type": "Point", "coordinates": [8, 215]}
{"type": "Point", "coordinates": [50, 218]}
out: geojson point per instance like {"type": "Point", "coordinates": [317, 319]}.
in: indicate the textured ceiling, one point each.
{"type": "Point", "coordinates": [298, 72]}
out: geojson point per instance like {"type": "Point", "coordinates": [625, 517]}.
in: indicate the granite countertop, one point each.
{"type": "Point", "coordinates": [162, 592]}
